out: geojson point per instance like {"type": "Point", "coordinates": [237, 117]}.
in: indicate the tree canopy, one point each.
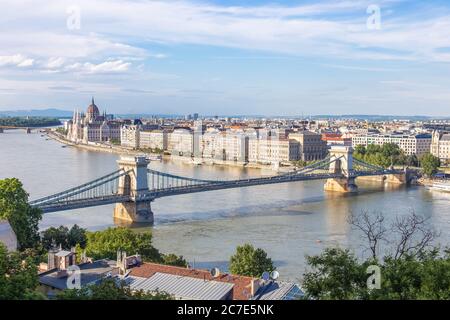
{"type": "Point", "coordinates": [18, 275]}
{"type": "Point", "coordinates": [382, 155]}
{"type": "Point", "coordinates": [62, 236]}
{"type": "Point", "coordinates": [429, 164]}
{"type": "Point", "coordinates": [106, 243]}
{"type": "Point", "coordinates": [412, 269]}
{"type": "Point", "coordinates": [29, 121]}
{"type": "Point", "coordinates": [248, 261]}
{"type": "Point", "coordinates": [23, 218]}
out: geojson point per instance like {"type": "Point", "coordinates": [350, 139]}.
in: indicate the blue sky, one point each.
{"type": "Point", "coordinates": [226, 57]}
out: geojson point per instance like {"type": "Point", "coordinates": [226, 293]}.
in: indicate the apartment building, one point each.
{"type": "Point", "coordinates": [180, 142]}
{"type": "Point", "coordinates": [129, 136]}
{"type": "Point", "coordinates": [154, 139]}
{"type": "Point", "coordinates": [410, 144]}
{"type": "Point", "coordinates": [312, 147]}
{"type": "Point", "coordinates": [271, 150]}
{"type": "Point", "coordinates": [440, 146]}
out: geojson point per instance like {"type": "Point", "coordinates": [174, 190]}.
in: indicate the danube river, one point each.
{"type": "Point", "coordinates": [288, 220]}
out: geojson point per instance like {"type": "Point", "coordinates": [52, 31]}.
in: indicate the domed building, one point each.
{"type": "Point", "coordinates": [92, 127]}
{"type": "Point", "coordinates": [92, 112]}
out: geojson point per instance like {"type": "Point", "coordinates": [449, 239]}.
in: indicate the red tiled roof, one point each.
{"type": "Point", "coordinates": [242, 284]}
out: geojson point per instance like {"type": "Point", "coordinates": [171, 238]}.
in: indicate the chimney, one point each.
{"type": "Point", "coordinates": [254, 286]}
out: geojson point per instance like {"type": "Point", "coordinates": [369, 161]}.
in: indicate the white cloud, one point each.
{"type": "Point", "coordinates": [17, 60]}
{"type": "Point", "coordinates": [115, 66]}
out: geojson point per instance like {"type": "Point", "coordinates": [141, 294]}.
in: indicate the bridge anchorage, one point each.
{"type": "Point", "coordinates": [134, 186]}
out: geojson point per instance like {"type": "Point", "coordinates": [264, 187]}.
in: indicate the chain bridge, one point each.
{"type": "Point", "coordinates": [134, 186]}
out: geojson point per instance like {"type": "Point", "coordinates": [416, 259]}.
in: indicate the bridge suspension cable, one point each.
{"type": "Point", "coordinates": [106, 185]}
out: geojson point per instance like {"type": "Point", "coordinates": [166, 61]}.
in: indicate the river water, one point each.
{"type": "Point", "coordinates": [287, 220]}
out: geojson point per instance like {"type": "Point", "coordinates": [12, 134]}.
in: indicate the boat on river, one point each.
{"type": "Point", "coordinates": [440, 186]}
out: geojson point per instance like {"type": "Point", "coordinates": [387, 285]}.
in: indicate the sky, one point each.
{"type": "Point", "coordinates": [216, 57]}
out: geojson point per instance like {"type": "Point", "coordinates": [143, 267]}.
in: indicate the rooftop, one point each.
{"type": "Point", "coordinates": [90, 272]}
{"type": "Point", "coordinates": [241, 284]}
{"type": "Point", "coordinates": [182, 287]}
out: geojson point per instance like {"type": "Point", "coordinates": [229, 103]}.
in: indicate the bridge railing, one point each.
{"type": "Point", "coordinates": [106, 185]}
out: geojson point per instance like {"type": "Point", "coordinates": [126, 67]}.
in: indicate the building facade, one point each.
{"type": "Point", "coordinates": [440, 146]}
{"type": "Point", "coordinates": [154, 139]}
{"type": "Point", "coordinates": [92, 127]}
{"type": "Point", "coordinates": [272, 150]}
{"type": "Point", "coordinates": [410, 144]}
{"type": "Point", "coordinates": [312, 147]}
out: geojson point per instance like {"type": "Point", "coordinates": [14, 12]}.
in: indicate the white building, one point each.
{"type": "Point", "coordinates": [273, 150]}
{"type": "Point", "coordinates": [154, 139]}
{"type": "Point", "coordinates": [180, 142]}
{"type": "Point", "coordinates": [410, 144]}
{"type": "Point", "coordinates": [129, 136]}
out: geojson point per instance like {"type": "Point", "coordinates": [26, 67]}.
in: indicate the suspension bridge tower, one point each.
{"type": "Point", "coordinates": [343, 165]}
{"type": "Point", "coordinates": [135, 186]}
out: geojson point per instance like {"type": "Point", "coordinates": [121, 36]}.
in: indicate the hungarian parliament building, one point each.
{"type": "Point", "coordinates": [92, 127]}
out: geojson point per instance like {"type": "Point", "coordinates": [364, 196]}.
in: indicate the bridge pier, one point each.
{"type": "Point", "coordinates": [343, 165]}
{"type": "Point", "coordinates": [344, 185]}
{"type": "Point", "coordinates": [400, 178]}
{"type": "Point", "coordinates": [135, 185]}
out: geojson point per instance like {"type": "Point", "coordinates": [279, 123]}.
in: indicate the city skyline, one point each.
{"type": "Point", "coordinates": [215, 57]}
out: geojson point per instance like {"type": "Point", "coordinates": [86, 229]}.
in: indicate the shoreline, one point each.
{"type": "Point", "coordinates": [124, 151]}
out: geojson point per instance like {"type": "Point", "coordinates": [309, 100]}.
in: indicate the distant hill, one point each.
{"type": "Point", "coordinates": [51, 112]}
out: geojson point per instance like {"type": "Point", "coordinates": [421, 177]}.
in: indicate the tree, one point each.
{"type": "Point", "coordinates": [110, 289]}
{"type": "Point", "coordinates": [412, 269]}
{"type": "Point", "coordinates": [174, 260]}
{"type": "Point", "coordinates": [62, 236]}
{"type": "Point", "coordinates": [18, 275]}
{"type": "Point", "coordinates": [336, 274]}
{"type": "Point", "coordinates": [106, 243]}
{"type": "Point", "coordinates": [429, 164]}
{"type": "Point", "coordinates": [248, 261]}
{"type": "Point", "coordinates": [23, 218]}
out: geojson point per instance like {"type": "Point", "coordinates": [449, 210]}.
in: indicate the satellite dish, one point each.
{"type": "Point", "coordinates": [274, 275]}
{"type": "Point", "coordinates": [215, 272]}
{"type": "Point", "coordinates": [265, 276]}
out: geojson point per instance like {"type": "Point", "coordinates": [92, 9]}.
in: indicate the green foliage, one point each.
{"type": "Point", "coordinates": [152, 150]}
{"type": "Point", "coordinates": [18, 275]}
{"type": "Point", "coordinates": [115, 142]}
{"type": "Point", "coordinates": [62, 236]}
{"type": "Point", "coordinates": [174, 260]}
{"type": "Point", "coordinates": [29, 121]}
{"type": "Point", "coordinates": [61, 130]}
{"type": "Point", "coordinates": [337, 274]}
{"type": "Point", "coordinates": [248, 261]}
{"type": "Point", "coordinates": [23, 218]}
{"type": "Point", "coordinates": [109, 289]}
{"type": "Point", "coordinates": [429, 164]}
{"type": "Point", "coordinates": [106, 243]}
{"type": "Point", "coordinates": [381, 155]}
